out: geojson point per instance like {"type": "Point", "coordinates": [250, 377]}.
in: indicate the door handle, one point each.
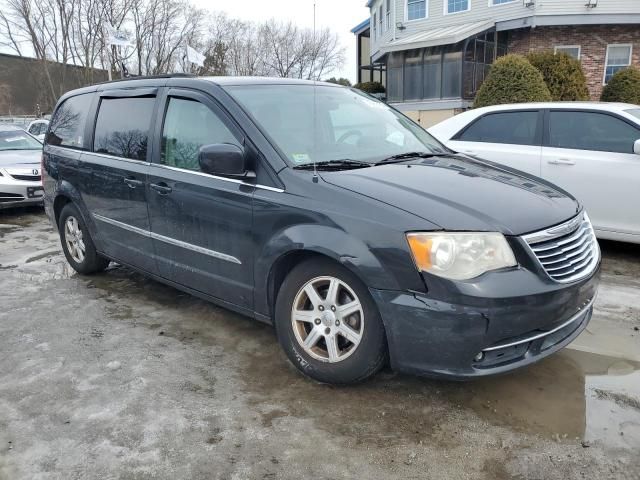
{"type": "Point", "coordinates": [162, 188]}
{"type": "Point", "coordinates": [133, 183]}
{"type": "Point", "coordinates": [562, 161]}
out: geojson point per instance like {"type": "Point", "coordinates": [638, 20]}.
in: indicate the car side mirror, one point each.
{"type": "Point", "coordinates": [223, 159]}
{"type": "Point", "coordinates": [636, 147]}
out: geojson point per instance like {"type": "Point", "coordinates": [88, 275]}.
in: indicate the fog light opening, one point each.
{"type": "Point", "coordinates": [478, 357]}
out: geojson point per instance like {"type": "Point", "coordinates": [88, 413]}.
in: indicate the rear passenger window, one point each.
{"type": "Point", "coordinates": [68, 122]}
{"type": "Point", "coordinates": [122, 127]}
{"type": "Point", "coordinates": [188, 126]}
{"type": "Point", "coordinates": [591, 131]}
{"type": "Point", "coordinates": [516, 128]}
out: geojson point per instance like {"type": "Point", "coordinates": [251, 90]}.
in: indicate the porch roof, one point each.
{"type": "Point", "coordinates": [438, 36]}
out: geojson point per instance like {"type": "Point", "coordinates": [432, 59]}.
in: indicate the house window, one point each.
{"type": "Point", "coordinates": [375, 31]}
{"type": "Point", "coordinates": [571, 50]}
{"type": "Point", "coordinates": [416, 9]}
{"type": "Point", "coordinates": [500, 2]}
{"type": "Point", "coordinates": [395, 64]}
{"type": "Point", "coordinates": [432, 72]}
{"type": "Point", "coordinates": [388, 14]}
{"type": "Point", "coordinates": [618, 58]}
{"type": "Point", "coordinates": [451, 72]}
{"type": "Point", "coordinates": [380, 19]}
{"type": "Point", "coordinates": [455, 6]}
{"type": "Point", "coordinates": [413, 75]}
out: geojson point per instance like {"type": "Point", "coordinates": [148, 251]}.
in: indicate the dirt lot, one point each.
{"type": "Point", "coordinates": [116, 376]}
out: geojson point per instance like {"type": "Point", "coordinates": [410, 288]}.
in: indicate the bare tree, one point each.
{"type": "Point", "coordinates": [73, 32]}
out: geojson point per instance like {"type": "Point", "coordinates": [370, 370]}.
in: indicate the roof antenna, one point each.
{"type": "Point", "coordinates": [315, 170]}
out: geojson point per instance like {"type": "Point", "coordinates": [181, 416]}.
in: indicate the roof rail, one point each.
{"type": "Point", "coordinates": [149, 77]}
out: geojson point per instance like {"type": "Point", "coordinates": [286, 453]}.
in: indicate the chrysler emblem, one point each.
{"type": "Point", "coordinates": [35, 171]}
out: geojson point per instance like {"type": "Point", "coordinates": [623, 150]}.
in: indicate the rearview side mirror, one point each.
{"type": "Point", "coordinates": [223, 159]}
{"type": "Point", "coordinates": [636, 147]}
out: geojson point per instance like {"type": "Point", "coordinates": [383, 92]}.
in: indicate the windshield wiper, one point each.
{"type": "Point", "coordinates": [342, 164]}
{"type": "Point", "coordinates": [401, 157]}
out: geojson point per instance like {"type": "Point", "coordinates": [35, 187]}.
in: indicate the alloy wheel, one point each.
{"type": "Point", "coordinates": [73, 239]}
{"type": "Point", "coordinates": [327, 319]}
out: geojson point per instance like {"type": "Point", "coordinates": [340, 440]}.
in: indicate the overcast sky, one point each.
{"type": "Point", "coordinates": [339, 15]}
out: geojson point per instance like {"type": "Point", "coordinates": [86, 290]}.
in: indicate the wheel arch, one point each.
{"type": "Point", "coordinates": [301, 242]}
{"type": "Point", "coordinates": [66, 193]}
{"type": "Point", "coordinates": [58, 204]}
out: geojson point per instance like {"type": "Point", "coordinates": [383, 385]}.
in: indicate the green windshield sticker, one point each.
{"type": "Point", "coordinates": [300, 157]}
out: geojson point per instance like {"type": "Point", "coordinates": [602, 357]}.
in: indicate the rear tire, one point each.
{"type": "Point", "coordinates": [328, 324]}
{"type": "Point", "coordinates": [77, 244]}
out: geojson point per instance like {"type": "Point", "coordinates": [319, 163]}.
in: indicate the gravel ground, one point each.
{"type": "Point", "coordinates": [115, 376]}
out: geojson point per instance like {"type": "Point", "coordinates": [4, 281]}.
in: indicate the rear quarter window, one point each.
{"type": "Point", "coordinates": [68, 122]}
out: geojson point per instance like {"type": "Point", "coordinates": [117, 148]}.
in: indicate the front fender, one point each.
{"type": "Point", "coordinates": [331, 242]}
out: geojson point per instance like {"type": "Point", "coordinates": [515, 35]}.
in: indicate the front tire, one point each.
{"type": "Point", "coordinates": [328, 324]}
{"type": "Point", "coordinates": [77, 244]}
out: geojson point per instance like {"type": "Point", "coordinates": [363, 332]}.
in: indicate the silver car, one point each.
{"type": "Point", "coordinates": [20, 176]}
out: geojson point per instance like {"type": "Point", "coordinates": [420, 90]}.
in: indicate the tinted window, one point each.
{"type": "Point", "coordinates": [122, 127]}
{"type": "Point", "coordinates": [413, 75]}
{"type": "Point", "coordinates": [67, 124]}
{"type": "Point", "coordinates": [451, 74]}
{"type": "Point", "coordinates": [591, 131]}
{"type": "Point", "coordinates": [189, 125]}
{"type": "Point", "coordinates": [517, 128]}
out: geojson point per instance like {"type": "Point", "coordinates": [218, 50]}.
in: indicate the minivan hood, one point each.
{"type": "Point", "coordinates": [461, 193]}
{"type": "Point", "coordinates": [19, 158]}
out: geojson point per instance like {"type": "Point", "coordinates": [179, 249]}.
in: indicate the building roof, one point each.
{"type": "Point", "coordinates": [361, 27]}
{"type": "Point", "coordinates": [439, 36]}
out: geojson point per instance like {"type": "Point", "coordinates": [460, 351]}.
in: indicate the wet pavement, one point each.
{"type": "Point", "coordinates": [118, 376]}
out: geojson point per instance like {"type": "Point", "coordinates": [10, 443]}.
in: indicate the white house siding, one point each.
{"type": "Point", "coordinates": [577, 7]}
{"type": "Point", "coordinates": [480, 10]}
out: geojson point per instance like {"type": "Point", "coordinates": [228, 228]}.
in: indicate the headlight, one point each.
{"type": "Point", "coordinates": [460, 256]}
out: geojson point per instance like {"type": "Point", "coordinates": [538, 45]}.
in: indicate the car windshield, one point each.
{"type": "Point", "coordinates": [347, 124]}
{"type": "Point", "coordinates": [635, 112]}
{"type": "Point", "coordinates": [18, 140]}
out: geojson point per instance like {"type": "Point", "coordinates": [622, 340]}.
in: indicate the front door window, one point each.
{"type": "Point", "coordinates": [188, 126]}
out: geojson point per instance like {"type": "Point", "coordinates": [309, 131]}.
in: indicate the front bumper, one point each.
{"type": "Point", "coordinates": [500, 322]}
{"type": "Point", "coordinates": [15, 193]}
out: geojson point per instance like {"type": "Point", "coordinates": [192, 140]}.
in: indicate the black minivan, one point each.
{"type": "Point", "coordinates": [327, 213]}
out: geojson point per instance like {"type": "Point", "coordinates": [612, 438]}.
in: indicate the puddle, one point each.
{"type": "Point", "coordinates": [572, 395]}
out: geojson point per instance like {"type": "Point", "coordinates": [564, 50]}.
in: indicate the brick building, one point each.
{"type": "Point", "coordinates": [436, 53]}
{"type": "Point", "coordinates": [587, 43]}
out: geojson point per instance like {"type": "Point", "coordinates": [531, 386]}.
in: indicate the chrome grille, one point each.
{"type": "Point", "coordinates": [567, 252]}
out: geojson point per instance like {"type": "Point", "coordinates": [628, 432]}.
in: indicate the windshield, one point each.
{"type": "Point", "coordinates": [635, 112]}
{"type": "Point", "coordinates": [347, 125]}
{"type": "Point", "coordinates": [18, 140]}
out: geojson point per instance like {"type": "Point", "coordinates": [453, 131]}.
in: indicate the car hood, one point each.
{"type": "Point", "coordinates": [19, 158]}
{"type": "Point", "coordinates": [465, 194]}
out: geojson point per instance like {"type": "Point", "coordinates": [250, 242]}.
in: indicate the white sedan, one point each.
{"type": "Point", "coordinates": [590, 149]}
